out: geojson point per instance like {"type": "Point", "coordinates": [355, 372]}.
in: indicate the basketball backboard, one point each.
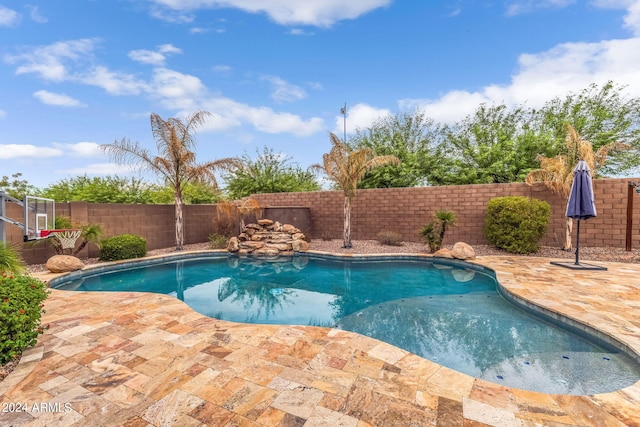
{"type": "Point", "coordinates": [39, 214]}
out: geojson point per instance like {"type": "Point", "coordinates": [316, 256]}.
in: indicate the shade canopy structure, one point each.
{"type": "Point", "coordinates": [581, 206]}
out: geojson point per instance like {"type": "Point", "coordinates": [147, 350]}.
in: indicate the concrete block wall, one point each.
{"type": "Point", "coordinates": [156, 223]}
{"type": "Point", "coordinates": [406, 210]}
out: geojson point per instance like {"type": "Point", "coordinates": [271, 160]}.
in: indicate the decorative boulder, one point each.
{"type": "Point", "coordinates": [443, 253]}
{"type": "Point", "coordinates": [233, 244]}
{"type": "Point", "coordinates": [269, 239]}
{"type": "Point", "coordinates": [300, 246]}
{"type": "Point", "coordinates": [463, 251]}
{"type": "Point", "coordinates": [64, 263]}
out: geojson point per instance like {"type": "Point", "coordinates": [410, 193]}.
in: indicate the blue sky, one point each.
{"type": "Point", "coordinates": [76, 74]}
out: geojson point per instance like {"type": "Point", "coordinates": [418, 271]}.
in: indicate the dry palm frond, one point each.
{"type": "Point", "coordinates": [557, 172]}
{"type": "Point", "coordinates": [250, 206]}
{"type": "Point", "coordinates": [346, 168]}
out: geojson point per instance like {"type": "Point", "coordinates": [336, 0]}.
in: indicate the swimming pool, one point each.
{"type": "Point", "coordinates": [448, 312]}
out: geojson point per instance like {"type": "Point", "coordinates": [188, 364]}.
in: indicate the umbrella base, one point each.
{"type": "Point", "coordinates": [578, 266]}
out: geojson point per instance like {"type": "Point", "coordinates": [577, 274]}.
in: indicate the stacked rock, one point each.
{"type": "Point", "coordinates": [268, 238]}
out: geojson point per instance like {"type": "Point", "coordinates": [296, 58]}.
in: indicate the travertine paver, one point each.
{"type": "Point", "coordinates": [149, 360]}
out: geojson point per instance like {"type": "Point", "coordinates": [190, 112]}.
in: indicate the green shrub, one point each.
{"type": "Point", "coordinates": [217, 241]}
{"type": "Point", "coordinates": [10, 260]}
{"type": "Point", "coordinates": [433, 232]}
{"type": "Point", "coordinates": [125, 246]}
{"type": "Point", "coordinates": [62, 222]}
{"type": "Point", "coordinates": [516, 223]}
{"type": "Point", "coordinates": [391, 238]}
{"type": "Point", "coordinates": [21, 307]}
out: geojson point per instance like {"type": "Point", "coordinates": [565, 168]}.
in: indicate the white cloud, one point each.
{"type": "Point", "coordinates": [59, 99]}
{"type": "Point", "coordinates": [50, 62]}
{"type": "Point", "coordinates": [569, 67]}
{"type": "Point", "coordinates": [3, 114]}
{"type": "Point", "coordinates": [115, 83]}
{"type": "Point", "coordinates": [151, 57]}
{"type": "Point", "coordinates": [268, 121]}
{"type": "Point", "coordinates": [147, 57]}
{"type": "Point", "coordinates": [80, 149]}
{"type": "Point", "coordinates": [300, 32]}
{"type": "Point", "coordinates": [169, 48]}
{"type": "Point", "coordinates": [171, 16]}
{"type": "Point", "coordinates": [36, 16]}
{"type": "Point", "coordinates": [64, 61]}
{"type": "Point", "coordinates": [8, 17]}
{"type": "Point", "coordinates": [360, 116]}
{"type": "Point", "coordinates": [631, 19]}
{"type": "Point", "coordinates": [283, 91]}
{"type": "Point", "coordinates": [223, 69]}
{"type": "Point", "coordinates": [177, 90]}
{"type": "Point", "coordinates": [285, 12]}
{"type": "Point", "coordinates": [229, 114]}
{"type": "Point", "coordinates": [14, 151]}
{"type": "Point", "coordinates": [199, 30]}
{"type": "Point", "coordinates": [519, 7]}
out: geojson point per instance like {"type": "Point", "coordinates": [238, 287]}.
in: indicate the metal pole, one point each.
{"type": "Point", "coordinates": [629, 217]}
{"type": "Point", "coordinates": [343, 110]}
{"type": "Point", "coordinates": [3, 213]}
{"type": "Point", "coordinates": [578, 245]}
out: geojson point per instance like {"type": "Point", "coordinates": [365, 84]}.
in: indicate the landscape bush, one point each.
{"type": "Point", "coordinates": [391, 238]}
{"type": "Point", "coordinates": [516, 223]}
{"type": "Point", "coordinates": [21, 307]}
{"type": "Point", "coordinates": [433, 232]}
{"type": "Point", "coordinates": [217, 241]}
{"type": "Point", "coordinates": [10, 260]}
{"type": "Point", "coordinates": [124, 246]}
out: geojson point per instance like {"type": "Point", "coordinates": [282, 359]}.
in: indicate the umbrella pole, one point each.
{"type": "Point", "coordinates": [578, 244]}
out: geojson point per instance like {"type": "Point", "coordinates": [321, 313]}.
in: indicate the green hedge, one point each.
{"type": "Point", "coordinates": [125, 246]}
{"type": "Point", "coordinates": [21, 307]}
{"type": "Point", "coordinates": [516, 223]}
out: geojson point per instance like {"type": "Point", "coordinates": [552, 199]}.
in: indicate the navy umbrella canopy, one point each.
{"type": "Point", "coordinates": [581, 206]}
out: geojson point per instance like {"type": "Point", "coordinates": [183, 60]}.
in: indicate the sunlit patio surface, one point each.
{"type": "Point", "coordinates": [149, 360]}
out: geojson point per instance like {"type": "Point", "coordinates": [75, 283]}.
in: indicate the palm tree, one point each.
{"type": "Point", "coordinates": [557, 172]}
{"type": "Point", "coordinates": [176, 160]}
{"type": "Point", "coordinates": [347, 168]}
{"type": "Point", "coordinates": [10, 260]}
{"type": "Point", "coordinates": [91, 233]}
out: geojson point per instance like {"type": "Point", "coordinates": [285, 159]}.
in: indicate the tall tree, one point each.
{"type": "Point", "coordinates": [557, 172]}
{"type": "Point", "coordinates": [493, 145]}
{"type": "Point", "coordinates": [17, 187]}
{"type": "Point", "coordinates": [346, 168]}
{"type": "Point", "coordinates": [176, 159]}
{"type": "Point", "coordinates": [98, 189]}
{"type": "Point", "coordinates": [410, 137]}
{"type": "Point", "coordinates": [269, 172]}
{"type": "Point", "coordinates": [601, 114]}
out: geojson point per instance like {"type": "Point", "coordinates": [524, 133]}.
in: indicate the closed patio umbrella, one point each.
{"type": "Point", "coordinates": [580, 206]}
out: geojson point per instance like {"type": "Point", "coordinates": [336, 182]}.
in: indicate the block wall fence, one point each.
{"type": "Point", "coordinates": [153, 222]}
{"type": "Point", "coordinates": [407, 210]}
{"type": "Point", "coordinates": [404, 210]}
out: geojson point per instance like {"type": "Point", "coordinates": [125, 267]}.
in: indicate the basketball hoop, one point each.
{"type": "Point", "coordinates": [67, 238]}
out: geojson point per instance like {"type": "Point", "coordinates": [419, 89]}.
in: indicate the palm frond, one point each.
{"type": "Point", "coordinates": [600, 156]}
{"type": "Point", "coordinates": [127, 152]}
{"type": "Point", "coordinates": [347, 168]}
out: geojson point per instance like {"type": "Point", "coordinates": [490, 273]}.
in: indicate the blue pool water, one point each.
{"type": "Point", "coordinates": [450, 313]}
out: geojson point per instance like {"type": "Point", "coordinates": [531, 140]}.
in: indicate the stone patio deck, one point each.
{"type": "Point", "coordinates": [149, 360]}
